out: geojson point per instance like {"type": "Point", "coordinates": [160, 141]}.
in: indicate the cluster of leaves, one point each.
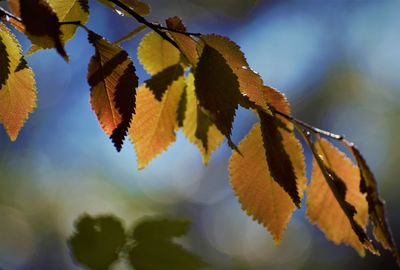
{"type": "Point", "coordinates": [197, 83]}
{"type": "Point", "coordinates": [98, 242]}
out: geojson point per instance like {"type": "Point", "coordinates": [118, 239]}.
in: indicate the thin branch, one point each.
{"type": "Point", "coordinates": [176, 31]}
{"type": "Point", "coordinates": [4, 12]}
{"type": "Point", "coordinates": [142, 20]}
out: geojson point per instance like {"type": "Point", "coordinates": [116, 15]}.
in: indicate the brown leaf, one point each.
{"type": "Point", "coordinates": [217, 90]}
{"type": "Point", "coordinates": [42, 25]}
{"type": "Point", "coordinates": [251, 84]}
{"type": "Point", "coordinates": [259, 193]}
{"type": "Point", "coordinates": [113, 81]}
{"type": "Point", "coordinates": [18, 93]}
{"type": "Point", "coordinates": [334, 201]}
{"type": "Point", "coordinates": [153, 127]}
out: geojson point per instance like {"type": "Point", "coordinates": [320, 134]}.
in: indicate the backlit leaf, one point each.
{"type": "Point", "coordinates": [156, 54]}
{"type": "Point", "coordinates": [42, 25]}
{"type": "Point", "coordinates": [18, 93]}
{"type": "Point", "coordinates": [139, 7]}
{"type": "Point", "coordinates": [280, 165]}
{"type": "Point", "coordinates": [113, 81]}
{"type": "Point", "coordinates": [187, 44]}
{"type": "Point", "coordinates": [259, 193]}
{"type": "Point", "coordinates": [250, 82]}
{"type": "Point", "coordinates": [376, 206]}
{"type": "Point", "coordinates": [217, 90]}
{"type": "Point", "coordinates": [153, 127]}
{"type": "Point", "coordinates": [336, 204]}
{"type": "Point", "coordinates": [159, 82]}
{"type": "Point", "coordinates": [195, 118]}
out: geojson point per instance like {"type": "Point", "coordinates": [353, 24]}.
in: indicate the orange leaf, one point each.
{"type": "Point", "coordinates": [259, 194]}
{"type": "Point", "coordinates": [113, 81]}
{"type": "Point", "coordinates": [324, 210]}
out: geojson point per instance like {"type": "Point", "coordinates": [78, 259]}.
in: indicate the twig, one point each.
{"type": "Point", "coordinates": [4, 12]}
{"type": "Point", "coordinates": [142, 20]}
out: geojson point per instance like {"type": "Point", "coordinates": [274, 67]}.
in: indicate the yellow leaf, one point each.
{"type": "Point", "coordinates": [259, 194]}
{"type": "Point", "coordinates": [250, 82]}
{"type": "Point", "coordinates": [18, 93]}
{"type": "Point", "coordinates": [191, 121]}
{"type": "Point", "coordinates": [324, 210]}
{"type": "Point", "coordinates": [153, 127]}
{"type": "Point", "coordinates": [156, 54]}
{"type": "Point", "coordinates": [113, 81]}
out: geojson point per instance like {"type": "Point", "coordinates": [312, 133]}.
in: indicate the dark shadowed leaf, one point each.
{"type": "Point", "coordinates": [160, 82]}
{"type": "Point", "coordinates": [154, 247]}
{"type": "Point", "coordinates": [4, 63]}
{"type": "Point", "coordinates": [217, 90]}
{"type": "Point", "coordinates": [280, 166]}
{"type": "Point", "coordinates": [42, 25]}
{"type": "Point", "coordinates": [113, 82]}
{"type": "Point", "coordinates": [376, 206]}
{"type": "Point", "coordinates": [97, 241]}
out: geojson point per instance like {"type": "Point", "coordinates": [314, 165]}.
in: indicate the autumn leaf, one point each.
{"type": "Point", "coordinates": [139, 7]}
{"type": "Point", "coordinates": [376, 206]}
{"type": "Point", "coordinates": [156, 54]}
{"type": "Point", "coordinates": [18, 93]}
{"type": "Point", "coordinates": [217, 90]}
{"type": "Point", "coordinates": [153, 127]}
{"type": "Point", "coordinates": [41, 24]}
{"type": "Point", "coordinates": [336, 204]}
{"type": "Point", "coordinates": [197, 126]}
{"type": "Point", "coordinates": [112, 78]}
{"type": "Point", "coordinates": [159, 82]}
{"type": "Point", "coordinates": [250, 82]}
{"type": "Point", "coordinates": [186, 44]}
{"type": "Point", "coordinates": [258, 192]}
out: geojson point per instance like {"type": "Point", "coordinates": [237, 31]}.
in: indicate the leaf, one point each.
{"type": "Point", "coordinates": [376, 206]}
{"type": "Point", "coordinates": [182, 106]}
{"type": "Point", "coordinates": [42, 25]}
{"type": "Point", "coordinates": [154, 249]}
{"type": "Point", "coordinates": [159, 82]}
{"type": "Point", "coordinates": [97, 241]}
{"type": "Point", "coordinates": [334, 201]}
{"type": "Point", "coordinates": [217, 90]}
{"type": "Point", "coordinates": [156, 54]}
{"type": "Point", "coordinates": [187, 45]}
{"type": "Point", "coordinates": [250, 82]}
{"type": "Point", "coordinates": [113, 82]}
{"type": "Point", "coordinates": [280, 165]}
{"type": "Point", "coordinates": [196, 121]}
{"type": "Point", "coordinates": [18, 93]}
{"type": "Point", "coordinates": [4, 62]}
{"type": "Point", "coordinates": [258, 192]}
{"type": "Point", "coordinates": [153, 127]}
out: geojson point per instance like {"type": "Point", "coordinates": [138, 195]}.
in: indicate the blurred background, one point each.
{"type": "Point", "coordinates": [338, 63]}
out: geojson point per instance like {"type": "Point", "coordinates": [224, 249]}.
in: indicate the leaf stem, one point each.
{"type": "Point", "coordinates": [6, 13]}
